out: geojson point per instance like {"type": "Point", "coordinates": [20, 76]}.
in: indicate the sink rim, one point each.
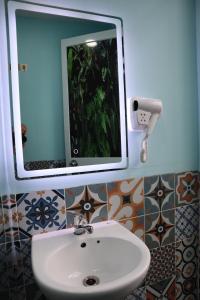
{"type": "Point", "coordinates": [44, 279]}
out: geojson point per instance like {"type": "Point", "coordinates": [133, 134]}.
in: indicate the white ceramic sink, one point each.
{"type": "Point", "coordinates": [66, 265]}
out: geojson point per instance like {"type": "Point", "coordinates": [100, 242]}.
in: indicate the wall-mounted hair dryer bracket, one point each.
{"type": "Point", "coordinates": [143, 116]}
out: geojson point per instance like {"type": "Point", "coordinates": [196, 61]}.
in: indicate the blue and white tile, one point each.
{"type": "Point", "coordinates": [187, 269]}
{"type": "Point", "coordinates": [34, 293]}
{"type": "Point", "coordinates": [18, 293]}
{"type": "Point", "coordinates": [187, 221]}
{"type": "Point", "coordinates": [13, 253]}
{"type": "Point", "coordinates": [4, 295]}
{"type": "Point", "coordinates": [14, 265]}
{"type": "Point", "coordinates": [40, 212]}
{"type": "Point", "coordinates": [3, 270]}
{"type": "Point", "coordinates": [159, 192]}
{"type": "Point", "coordinates": [2, 234]}
{"type": "Point", "coordinates": [26, 258]}
{"type": "Point", "coordinates": [11, 270]}
{"type": "Point", "coordinates": [137, 294]}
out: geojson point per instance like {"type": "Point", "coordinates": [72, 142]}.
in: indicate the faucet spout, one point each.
{"type": "Point", "coordinates": [81, 226]}
{"type": "Point", "coordinates": [89, 229]}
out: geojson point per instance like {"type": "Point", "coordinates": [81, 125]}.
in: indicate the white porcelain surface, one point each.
{"type": "Point", "coordinates": [116, 256]}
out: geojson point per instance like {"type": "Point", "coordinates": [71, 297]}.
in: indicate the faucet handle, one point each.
{"type": "Point", "coordinates": [79, 220]}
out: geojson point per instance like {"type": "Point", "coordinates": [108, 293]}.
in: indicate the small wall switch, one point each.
{"type": "Point", "coordinates": [22, 67]}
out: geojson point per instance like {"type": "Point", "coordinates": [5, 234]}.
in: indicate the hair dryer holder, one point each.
{"type": "Point", "coordinates": [144, 114]}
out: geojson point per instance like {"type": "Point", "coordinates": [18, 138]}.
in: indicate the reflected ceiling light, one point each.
{"type": "Point", "coordinates": [91, 43]}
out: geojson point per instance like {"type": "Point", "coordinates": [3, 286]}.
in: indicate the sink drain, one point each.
{"type": "Point", "coordinates": [90, 281]}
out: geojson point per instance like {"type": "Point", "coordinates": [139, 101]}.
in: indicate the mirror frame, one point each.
{"type": "Point", "coordinates": [13, 6]}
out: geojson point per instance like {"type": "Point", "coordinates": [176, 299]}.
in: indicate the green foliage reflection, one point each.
{"type": "Point", "coordinates": [94, 99]}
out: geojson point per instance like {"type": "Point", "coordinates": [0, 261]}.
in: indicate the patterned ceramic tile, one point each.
{"type": "Point", "coordinates": [126, 199]}
{"type": "Point", "coordinates": [4, 295]}
{"type": "Point", "coordinates": [187, 269]}
{"type": "Point", "coordinates": [13, 253]}
{"type": "Point", "coordinates": [10, 218]}
{"type": "Point", "coordinates": [164, 290]}
{"type": "Point", "coordinates": [159, 193]}
{"type": "Point", "coordinates": [138, 294]}
{"type": "Point", "coordinates": [188, 289]}
{"type": "Point", "coordinates": [26, 257]}
{"type": "Point", "coordinates": [18, 293]}
{"type": "Point", "coordinates": [135, 225]}
{"type": "Point", "coordinates": [40, 212]}
{"type": "Point", "coordinates": [160, 229]}
{"type": "Point", "coordinates": [3, 270]}
{"type": "Point", "coordinates": [162, 264]}
{"type": "Point", "coordinates": [187, 221]}
{"type": "Point", "coordinates": [90, 201]}
{"type": "Point", "coordinates": [2, 235]}
{"type": "Point", "coordinates": [14, 264]}
{"type": "Point", "coordinates": [187, 188]}
{"type": "Point", "coordinates": [34, 293]}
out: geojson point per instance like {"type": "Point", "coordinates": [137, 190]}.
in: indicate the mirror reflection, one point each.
{"type": "Point", "coordinates": [90, 89]}
{"type": "Point", "coordinates": [68, 91]}
{"type": "Point", "coordinates": [85, 81]}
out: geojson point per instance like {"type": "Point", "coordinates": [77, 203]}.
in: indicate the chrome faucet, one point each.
{"type": "Point", "coordinates": [81, 226]}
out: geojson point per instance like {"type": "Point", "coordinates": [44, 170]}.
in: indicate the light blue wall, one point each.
{"type": "Point", "coordinates": [160, 61]}
{"type": "Point", "coordinates": [39, 45]}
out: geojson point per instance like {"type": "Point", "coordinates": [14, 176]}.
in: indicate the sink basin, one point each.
{"type": "Point", "coordinates": [107, 264]}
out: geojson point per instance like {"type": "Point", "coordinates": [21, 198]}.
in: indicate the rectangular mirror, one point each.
{"type": "Point", "coordinates": [67, 81]}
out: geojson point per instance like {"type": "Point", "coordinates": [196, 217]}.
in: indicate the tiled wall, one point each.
{"type": "Point", "coordinates": [162, 210]}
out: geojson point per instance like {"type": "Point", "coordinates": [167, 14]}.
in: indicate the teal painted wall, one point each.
{"type": "Point", "coordinates": [39, 44]}
{"type": "Point", "coordinates": [161, 63]}
{"type": "Point", "coordinates": [160, 60]}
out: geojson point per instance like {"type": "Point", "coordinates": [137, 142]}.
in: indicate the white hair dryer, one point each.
{"type": "Point", "coordinates": [144, 114]}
